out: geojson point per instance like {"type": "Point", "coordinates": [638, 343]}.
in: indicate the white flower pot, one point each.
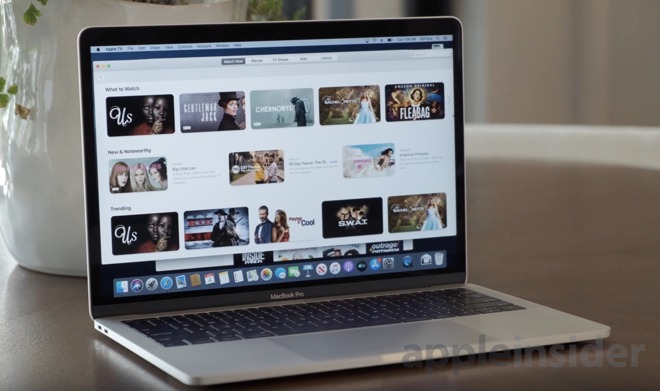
{"type": "Point", "coordinates": [41, 184]}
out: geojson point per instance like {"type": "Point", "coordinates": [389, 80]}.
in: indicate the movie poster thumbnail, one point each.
{"type": "Point", "coordinates": [421, 212]}
{"type": "Point", "coordinates": [389, 247]}
{"type": "Point", "coordinates": [216, 228]}
{"type": "Point", "coordinates": [253, 258]}
{"type": "Point", "coordinates": [212, 111]}
{"type": "Point", "coordinates": [282, 108]}
{"type": "Point", "coordinates": [137, 175]}
{"type": "Point", "coordinates": [296, 255]}
{"type": "Point", "coordinates": [140, 115]}
{"type": "Point", "coordinates": [148, 233]}
{"type": "Point", "coordinates": [412, 102]}
{"type": "Point", "coordinates": [256, 168]}
{"type": "Point", "coordinates": [349, 105]}
{"type": "Point", "coordinates": [279, 225]}
{"type": "Point", "coordinates": [344, 250]}
{"type": "Point", "coordinates": [352, 217]}
{"type": "Point", "coordinates": [369, 160]}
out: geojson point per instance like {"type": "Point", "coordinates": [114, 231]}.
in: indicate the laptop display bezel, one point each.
{"type": "Point", "coordinates": [103, 306]}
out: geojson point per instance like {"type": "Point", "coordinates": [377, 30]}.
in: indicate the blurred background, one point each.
{"type": "Point", "coordinates": [539, 61]}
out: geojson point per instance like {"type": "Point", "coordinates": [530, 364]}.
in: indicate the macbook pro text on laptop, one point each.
{"type": "Point", "coordinates": [275, 199]}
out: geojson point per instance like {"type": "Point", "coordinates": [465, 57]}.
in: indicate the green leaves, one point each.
{"type": "Point", "coordinates": [30, 16]}
{"type": "Point", "coordinates": [273, 10]}
{"type": "Point", "coordinates": [4, 98]}
{"type": "Point", "coordinates": [12, 90]}
{"type": "Point", "coordinates": [265, 10]}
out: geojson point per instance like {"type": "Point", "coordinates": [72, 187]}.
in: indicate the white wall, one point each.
{"type": "Point", "coordinates": [334, 9]}
{"type": "Point", "coordinates": [517, 62]}
{"type": "Point", "coordinates": [634, 62]}
{"type": "Point", "coordinates": [562, 61]}
{"type": "Point", "coordinates": [541, 61]}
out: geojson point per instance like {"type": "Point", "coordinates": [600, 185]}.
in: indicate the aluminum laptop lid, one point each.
{"type": "Point", "coordinates": [257, 164]}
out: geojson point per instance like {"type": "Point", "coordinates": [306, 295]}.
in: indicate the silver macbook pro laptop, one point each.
{"type": "Point", "coordinates": [275, 199]}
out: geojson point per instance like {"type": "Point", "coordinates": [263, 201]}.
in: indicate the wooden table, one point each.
{"type": "Point", "coordinates": [580, 237]}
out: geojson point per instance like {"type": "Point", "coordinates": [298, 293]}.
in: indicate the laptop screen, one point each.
{"type": "Point", "coordinates": [221, 161]}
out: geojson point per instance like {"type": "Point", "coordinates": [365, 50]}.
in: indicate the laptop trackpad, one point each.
{"type": "Point", "coordinates": [380, 340]}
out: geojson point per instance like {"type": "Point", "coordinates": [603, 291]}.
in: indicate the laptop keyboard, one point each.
{"type": "Point", "coordinates": [210, 327]}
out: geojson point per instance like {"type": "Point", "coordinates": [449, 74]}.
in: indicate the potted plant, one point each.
{"type": "Point", "coordinates": [41, 199]}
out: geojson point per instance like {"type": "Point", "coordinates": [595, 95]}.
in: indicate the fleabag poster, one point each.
{"type": "Point", "coordinates": [413, 102]}
{"type": "Point", "coordinates": [140, 115]}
